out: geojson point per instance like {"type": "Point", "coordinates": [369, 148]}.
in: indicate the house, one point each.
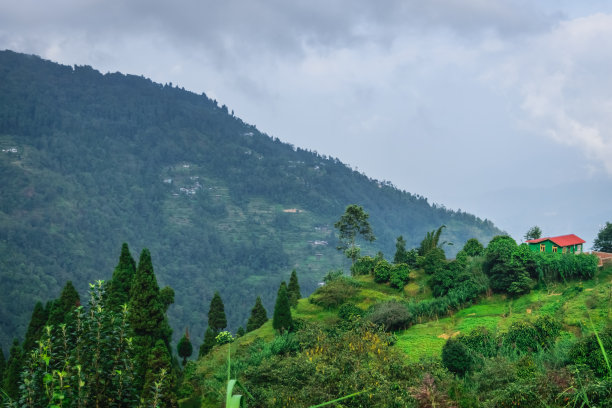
{"type": "Point", "coordinates": [563, 243]}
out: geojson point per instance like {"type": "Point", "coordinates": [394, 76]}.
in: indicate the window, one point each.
{"type": "Point", "coordinates": [554, 248]}
{"type": "Point", "coordinates": [542, 247]}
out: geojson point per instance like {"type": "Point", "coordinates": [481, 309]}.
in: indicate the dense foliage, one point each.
{"type": "Point", "coordinates": [603, 241]}
{"type": "Point", "coordinates": [106, 159]}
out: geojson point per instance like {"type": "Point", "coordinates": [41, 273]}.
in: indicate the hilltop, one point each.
{"type": "Point", "coordinates": [90, 160]}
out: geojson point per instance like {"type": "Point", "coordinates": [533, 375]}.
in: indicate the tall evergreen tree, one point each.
{"type": "Point", "coordinates": [12, 373]}
{"type": "Point", "coordinates": [258, 316]}
{"type": "Point", "coordinates": [401, 255]}
{"type": "Point", "coordinates": [146, 316]}
{"type": "Point", "coordinates": [2, 366]}
{"type": "Point", "coordinates": [36, 326]}
{"type": "Point", "coordinates": [62, 308]}
{"type": "Point", "coordinates": [294, 289]}
{"type": "Point", "coordinates": [282, 320]}
{"type": "Point", "coordinates": [216, 314]}
{"type": "Point", "coordinates": [118, 289]}
{"type": "Point", "coordinates": [208, 343]}
{"type": "Point", "coordinates": [160, 371]}
{"type": "Point", "coordinates": [184, 347]}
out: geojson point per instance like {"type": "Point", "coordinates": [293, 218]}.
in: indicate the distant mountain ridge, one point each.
{"type": "Point", "coordinates": [88, 161]}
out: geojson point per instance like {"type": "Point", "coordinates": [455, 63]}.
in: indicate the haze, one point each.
{"type": "Point", "coordinates": [498, 108]}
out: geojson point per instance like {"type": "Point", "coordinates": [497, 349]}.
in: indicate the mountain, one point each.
{"type": "Point", "coordinates": [88, 161]}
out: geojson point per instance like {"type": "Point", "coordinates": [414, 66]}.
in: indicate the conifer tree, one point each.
{"type": "Point", "coordinates": [146, 316]}
{"type": "Point", "coordinates": [184, 347]}
{"type": "Point", "coordinates": [12, 373]}
{"type": "Point", "coordinates": [61, 308]}
{"type": "Point", "coordinates": [401, 255]}
{"type": "Point", "coordinates": [216, 314]}
{"type": "Point", "coordinates": [240, 332]}
{"type": "Point", "coordinates": [36, 326]}
{"type": "Point", "coordinates": [294, 289]}
{"type": "Point", "coordinates": [159, 362]}
{"type": "Point", "coordinates": [208, 343]}
{"type": "Point", "coordinates": [258, 316]}
{"type": "Point", "coordinates": [118, 289]}
{"type": "Point", "coordinates": [2, 366]}
{"type": "Point", "coordinates": [282, 320]}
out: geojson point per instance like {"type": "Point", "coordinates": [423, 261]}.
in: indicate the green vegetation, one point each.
{"type": "Point", "coordinates": [258, 316]}
{"type": "Point", "coordinates": [352, 224]}
{"type": "Point", "coordinates": [106, 159]}
{"type": "Point", "coordinates": [603, 241]}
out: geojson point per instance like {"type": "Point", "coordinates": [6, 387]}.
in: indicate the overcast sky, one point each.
{"type": "Point", "coordinates": [499, 108]}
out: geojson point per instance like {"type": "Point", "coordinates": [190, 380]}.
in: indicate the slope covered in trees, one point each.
{"type": "Point", "coordinates": [88, 161]}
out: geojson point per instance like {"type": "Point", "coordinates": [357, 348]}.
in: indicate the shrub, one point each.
{"type": "Point", "coordinates": [364, 266]}
{"type": "Point", "coordinates": [456, 357]}
{"type": "Point", "coordinates": [473, 247]}
{"type": "Point", "coordinates": [433, 261]}
{"type": "Point", "coordinates": [399, 275]}
{"type": "Point", "coordinates": [587, 351]}
{"type": "Point", "coordinates": [334, 293]}
{"type": "Point", "coordinates": [382, 272]}
{"type": "Point", "coordinates": [480, 341]}
{"type": "Point", "coordinates": [391, 315]}
{"type": "Point", "coordinates": [224, 337]}
{"type": "Point", "coordinates": [348, 310]}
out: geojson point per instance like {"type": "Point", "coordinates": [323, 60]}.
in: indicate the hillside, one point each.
{"type": "Point", "coordinates": [88, 161]}
{"type": "Point", "coordinates": [509, 375]}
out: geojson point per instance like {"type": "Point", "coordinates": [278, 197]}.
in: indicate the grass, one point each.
{"type": "Point", "coordinates": [567, 302]}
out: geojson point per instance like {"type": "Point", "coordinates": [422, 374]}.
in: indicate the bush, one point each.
{"type": "Point", "coordinates": [391, 315]}
{"type": "Point", "coordinates": [333, 294]}
{"type": "Point", "coordinates": [473, 247]}
{"type": "Point", "coordinates": [382, 272]}
{"type": "Point", "coordinates": [364, 266]}
{"type": "Point", "coordinates": [399, 275]}
{"type": "Point", "coordinates": [480, 341]}
{"type": "Point", "coordinates": [433, 261]}
{"type": "Point", "coordinates": [456, 357]}
{"type": "Point", "coordinates": [348, 310]}
{"type": "Point", "coordinates": [587, 351]}
{"type": "Point", "coordinates": [525, 336]}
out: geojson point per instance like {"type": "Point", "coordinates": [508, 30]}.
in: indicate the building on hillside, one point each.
{"type": "Point", "coordinates": [564, 244]}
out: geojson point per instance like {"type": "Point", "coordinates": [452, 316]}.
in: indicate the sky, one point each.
{"type": "Point", "coordinates": [496, 107]}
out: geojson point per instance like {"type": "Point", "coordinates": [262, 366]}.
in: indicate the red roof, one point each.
{"type": "Point", "coordinates": [562, 240]}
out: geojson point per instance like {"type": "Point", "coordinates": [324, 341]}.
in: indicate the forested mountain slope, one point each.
{"type": "Point", "coordinates": [88, 161]}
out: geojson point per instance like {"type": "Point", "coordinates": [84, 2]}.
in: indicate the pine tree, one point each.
{"type": "Point", "coordinates": [216, 314]}
{"type": "Point", "coordinates": [258, 316]}
{"type": "Point", "coordinates": [2, 366]}
{"type": "Point", "coordinates": [282, 320]}
{"type": "Point", "coordinates": [12, 373]}
{"type": "Point", "coordinates": [62, 308]}
{"type": "Point", "coordinates": [401, 255]}
{"type": "Point", "coordinates": [160, 371]}
{"type": "Point", "coordinates": [240, 332]}
{"type": "Point", "coordinates": [36, 326]}
{"type": "Point", "coordinates": [146, 316]}
{"type": "Point", "coordinates": [146, 309]}
{"type": "Point", "coordinates": [294, 289]}
{"type": "Point", "coordinates": [118, 289]}
{"type": "Point", "coordinates": [184, 347]}
{"type": "Point", "coordinates": [208, 343]}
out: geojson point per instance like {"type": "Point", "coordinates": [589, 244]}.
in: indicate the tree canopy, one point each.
{"type": "Point", "coordinates": [533, 233]}
{"type": "Point", "coordinates": [603, 242]}
{"type": "Point", "coordinates": [353, 223]}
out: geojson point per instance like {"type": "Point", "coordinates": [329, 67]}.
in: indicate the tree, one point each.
{"type": "Point", "coordinates": [352, 223]}
{"type": "Point", "coordinates": [603, 242]}
{"type": "Point", "coordinates": [533, 233]}
{"type": "Point", "coordinates": [401, 255]}
{"type": "Point", "coordinates": [13, 370]}
{"type": "Point", "coordinates": [431, 241]}
{"type": "Point", "coordinates": [2, 366]}
{"type": "Point", "coordinates": [240, 332]}
{"type": "Point", "coordinates": [456, 357]}
{"type": "Point", "coordinates": [36, 326]}
{"type": "Point", "coordinates": [473, 247]}
{"type": "Point", "coordinates": [160, 387]}
{"type": "Point", "coordinates": [118, 288]}
{"type": "Point", "coordinates": [184, 347]}
{"type": "Point", "coordinates": [294, 289]}
{"type": "Point", "coordinates": [216, 314]}
{"type": "Point", "coordinates": [62, 307]}
{"type": "Point", "coordinates": [258, 316]}
{"type": "Point", "coordinates": [282, 320]}
{"type": "Point", "coordinates": [208, 343]}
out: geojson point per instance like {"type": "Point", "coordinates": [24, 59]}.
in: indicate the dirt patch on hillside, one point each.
{"type": "Point", "coordinates": [446, 336]}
